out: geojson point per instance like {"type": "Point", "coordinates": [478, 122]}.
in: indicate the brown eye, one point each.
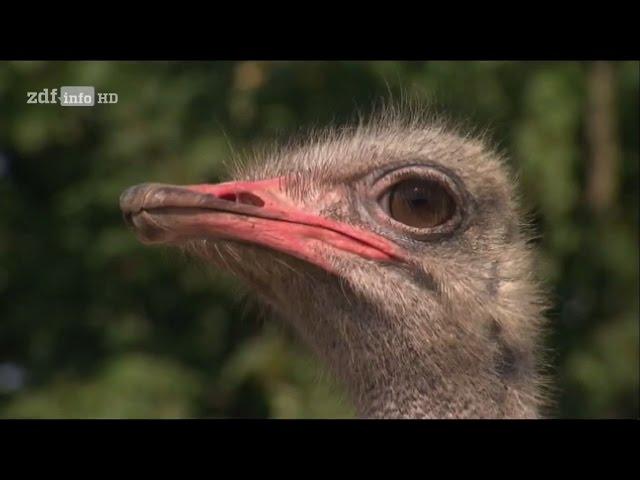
{"type": "Point", "coordinates": [420, 203]}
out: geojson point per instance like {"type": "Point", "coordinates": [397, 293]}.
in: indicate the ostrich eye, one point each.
{"type": "Point", "coordinates": [420, 203]}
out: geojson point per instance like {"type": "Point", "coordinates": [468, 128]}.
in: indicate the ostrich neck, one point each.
{"type": "Point", "coordinates": [424, 398]}
{"type": "Point", "coordinates": [409, 376]}
{"type": "Point", "coordinates": [418, 392]}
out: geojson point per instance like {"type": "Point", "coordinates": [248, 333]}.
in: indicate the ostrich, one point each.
{"type": "Point", "coordinates": [397, 251]}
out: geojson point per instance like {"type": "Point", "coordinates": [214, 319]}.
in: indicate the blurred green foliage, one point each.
{"type": "Point", "coordinates": [93, 324]}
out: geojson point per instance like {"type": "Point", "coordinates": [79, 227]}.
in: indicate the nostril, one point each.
{"type": "Point", "coordinates": [250, 199]}
{"type": "Point", "coordinates": [245, 198]}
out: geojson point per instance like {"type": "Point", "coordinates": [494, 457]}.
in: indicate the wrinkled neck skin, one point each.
{"type": "Point", "coordinates": [414, 372]}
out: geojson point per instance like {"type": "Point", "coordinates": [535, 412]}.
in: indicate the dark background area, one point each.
{"type": "Point", "coordinates": [93, 324]}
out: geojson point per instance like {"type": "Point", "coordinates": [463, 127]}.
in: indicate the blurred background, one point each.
{"type": "Point", "coordinates": [95, 325]}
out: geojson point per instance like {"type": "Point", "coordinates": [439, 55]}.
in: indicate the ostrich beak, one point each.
{"type": "Point", "coordinates": [259, 212]}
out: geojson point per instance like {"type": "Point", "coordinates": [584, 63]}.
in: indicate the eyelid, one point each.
{"type": "Point", "coordinates": [384, 182]}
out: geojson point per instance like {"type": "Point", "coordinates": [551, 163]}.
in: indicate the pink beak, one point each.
{"type": "Point", "coordinates": [253, 212]}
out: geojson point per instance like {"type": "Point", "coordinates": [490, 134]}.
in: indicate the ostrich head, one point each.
{"type": "Point", "coordinates": [395, 249]}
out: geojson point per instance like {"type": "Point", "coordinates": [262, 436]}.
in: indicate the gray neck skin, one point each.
{"type": "Point", "coordinates": [429, 398]}
{"type": "Point", "coordinates": [411, 357]}
{"type": "Point", "coordinates": [417, 392]}
{"type": "Point", "coordinates": [409, 372]}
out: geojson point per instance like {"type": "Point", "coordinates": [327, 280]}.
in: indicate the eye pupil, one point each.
{"type": "Point", "coordinates": [420, 203]}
